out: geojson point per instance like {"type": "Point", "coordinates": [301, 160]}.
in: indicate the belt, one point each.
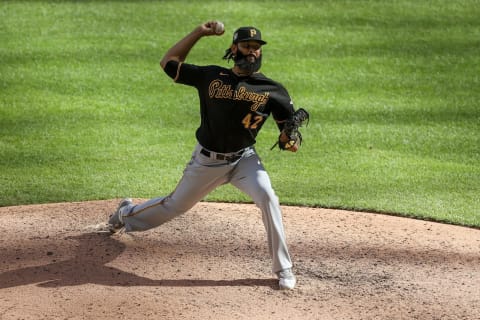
{"type": "Point", "coordinates": [230, 157]}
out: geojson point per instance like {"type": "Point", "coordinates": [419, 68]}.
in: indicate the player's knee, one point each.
{"type": "Point", "coordinates": [265, 196]}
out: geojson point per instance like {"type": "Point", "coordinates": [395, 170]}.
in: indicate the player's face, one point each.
{"type": "Point", "coordinates": [250, 48]}
{"type": "Point", "coordinates": [248, 55]}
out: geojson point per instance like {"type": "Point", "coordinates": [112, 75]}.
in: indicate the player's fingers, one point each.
{"type": "Point", "coordinates": [214, 28]}
{"type": "Point", "coordinates": [293, 148]}
{"type": "Point", "coordinates": [209, 27]}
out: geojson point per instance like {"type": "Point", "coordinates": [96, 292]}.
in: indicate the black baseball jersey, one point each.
{"type": "Point", "coordinates": [233, 109]}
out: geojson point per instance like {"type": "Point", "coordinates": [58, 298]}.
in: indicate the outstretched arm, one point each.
{"type": "Point", "coordinates": [181, 49]}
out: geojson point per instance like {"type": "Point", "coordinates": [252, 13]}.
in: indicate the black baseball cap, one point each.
{"type": "Point", "coordinates": [247, 34]}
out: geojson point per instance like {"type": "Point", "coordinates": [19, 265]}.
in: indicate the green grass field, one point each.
{"type": "Point", "coordinates": [392, 88]}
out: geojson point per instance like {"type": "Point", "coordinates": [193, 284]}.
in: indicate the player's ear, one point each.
{"type": "Point", "coordinates": [234, 48]}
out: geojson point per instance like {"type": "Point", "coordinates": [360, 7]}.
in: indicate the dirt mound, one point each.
{"type": "Point", "coordinates": [213, 263]}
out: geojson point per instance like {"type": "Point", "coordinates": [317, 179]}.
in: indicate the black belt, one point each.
{"type": "Point", "coordinates": [220, 156]}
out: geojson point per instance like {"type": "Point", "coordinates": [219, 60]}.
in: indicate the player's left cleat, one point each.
{"type": "Point", "coordinates": [286, 279]}
{"type": "Point", "coordinates": [115, 222]}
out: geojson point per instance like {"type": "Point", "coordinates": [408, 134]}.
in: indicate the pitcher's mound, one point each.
{"type": "Point", "coordinates": [213, 263]}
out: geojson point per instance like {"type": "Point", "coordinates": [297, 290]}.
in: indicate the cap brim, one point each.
{"type": "Point", "coordinates": [251, 39]}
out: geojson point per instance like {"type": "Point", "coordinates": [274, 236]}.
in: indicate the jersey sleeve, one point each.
{"type": "Point", "coordinates": [184, 73]}
{"type": "Point", "coordinates": [282, 106]}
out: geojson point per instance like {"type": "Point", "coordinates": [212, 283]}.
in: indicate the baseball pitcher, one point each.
{"type": "Point", "coordinates": [234, 104]}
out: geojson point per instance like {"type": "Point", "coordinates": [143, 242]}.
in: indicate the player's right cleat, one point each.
{"type": "Point", "coordinates": [286, 279]}
{"type": "Point", "coordinates": [115, 222]}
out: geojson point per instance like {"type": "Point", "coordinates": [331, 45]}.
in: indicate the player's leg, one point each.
{"type": "Point", "coordinates": [199, 178]}
{"type": "Point", "coordinates": [250, 177]}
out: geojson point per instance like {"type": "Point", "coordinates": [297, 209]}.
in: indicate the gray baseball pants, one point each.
{"type": "Point", "coordinates": [201, 176]}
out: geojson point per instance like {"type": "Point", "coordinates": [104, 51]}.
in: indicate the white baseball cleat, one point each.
{"type": "Point", "coordinates": [286, 279]}
{"type": "Point", "coordinates": [115, 221]}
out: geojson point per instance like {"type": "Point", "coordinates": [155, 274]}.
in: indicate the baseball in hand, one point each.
{"type": "Point", "coordinates": [219, 28]}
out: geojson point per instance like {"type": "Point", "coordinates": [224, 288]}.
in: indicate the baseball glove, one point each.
{"type": "Point", "coordinates": [290, 135]}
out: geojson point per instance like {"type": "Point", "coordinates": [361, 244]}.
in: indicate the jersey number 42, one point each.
{"type": "Point", "coordinates": [251, 121]}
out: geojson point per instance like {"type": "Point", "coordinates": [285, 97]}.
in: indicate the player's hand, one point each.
{"type": "Point", "coordinates": [284, 139]}
{"type": "Point", "coordinates": [212, 28]}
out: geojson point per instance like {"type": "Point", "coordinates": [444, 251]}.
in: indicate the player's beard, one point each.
{"type": "Point", "coordinates": [242, 61]}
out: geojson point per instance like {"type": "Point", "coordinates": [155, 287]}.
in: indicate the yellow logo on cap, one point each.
{"type": "Point", "coordinates": [253, 32]}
